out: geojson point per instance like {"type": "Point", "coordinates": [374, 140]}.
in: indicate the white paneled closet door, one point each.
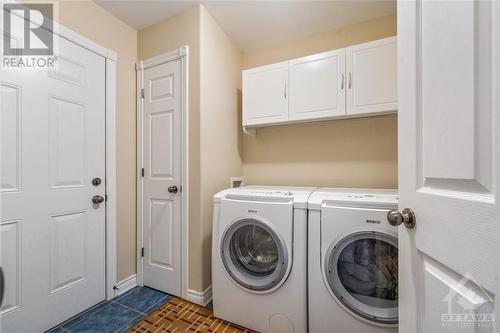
{"type": "Point", "coordinates": [161, 184]}
{"type": "Point", "coordinates": [52, 237]}
{"type": "Point", "coordinates": [449, 160]}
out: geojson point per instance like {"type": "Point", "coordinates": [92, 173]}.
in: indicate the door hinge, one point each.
{"type": "Point", "coordinates": [142, 172]}
{"type": "Point", "coordinates": [142, 93]}
{"type": "Point", "coordinates": [142, 252]}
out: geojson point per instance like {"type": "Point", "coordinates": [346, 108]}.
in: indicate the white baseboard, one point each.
{"type": "Point", "coordinates": [199, 297]}
{"type": "Point", "coordinates": [125, 285]}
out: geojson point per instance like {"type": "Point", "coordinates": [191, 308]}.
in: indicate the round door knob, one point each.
{"type": "Point", "coordinates": [173, 189]}
{"type": "Point", "coordinates": [407, 217]}
{"type": "Point", "coordinates": [97, 199]}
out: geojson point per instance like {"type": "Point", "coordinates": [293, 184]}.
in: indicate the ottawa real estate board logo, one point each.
{"type": "Point", "coordinates": [28, 38]}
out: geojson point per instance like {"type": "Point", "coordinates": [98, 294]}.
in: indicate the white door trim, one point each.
{"type": "Point", "coordinates": [125, 285]}
{"type": "Point", "coordinates": [110, 109]}
{"type": "Point", "coordinates": [111, 203]}
{"type": "Point", "coordinates": [182, 54]}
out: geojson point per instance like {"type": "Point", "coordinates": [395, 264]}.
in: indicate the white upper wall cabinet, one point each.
{"type": "Point", "coordinates": [265, 91]}
{"type": "Point", "coordinates": [317, 86]}
{"type": "Point", "coordinates": [372, 77]}
{"type": "Point", "coordinates": [357, 81]}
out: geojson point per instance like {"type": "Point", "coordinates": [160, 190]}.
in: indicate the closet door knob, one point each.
{"type": "Point", "coordinates": [172, 189]}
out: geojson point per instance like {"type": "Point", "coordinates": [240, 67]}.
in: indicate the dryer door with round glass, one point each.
{"type": "Point", "coordinates": [254, 255]}
{"type": "Point", "coordinates": [362, 273]}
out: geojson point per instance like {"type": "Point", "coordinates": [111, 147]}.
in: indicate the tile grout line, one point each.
{"type": "Point", "coordinates": [147, 309]}
{"type": "Point", "coordinates": [155, 304]}
{"type": "Point", "coordinates": [67, 329]}
{"type": "Point", "coordinates": [127, 325]}
{"type": "Point", "coordinates": [139, 312]}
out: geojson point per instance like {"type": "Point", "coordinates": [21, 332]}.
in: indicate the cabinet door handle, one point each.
{"type": "Point", "coordinates": [350, 80]}
{"type": "Point", "coordinates": [342, 84]}
{"type": "Point", "coordinates": [284, 91]}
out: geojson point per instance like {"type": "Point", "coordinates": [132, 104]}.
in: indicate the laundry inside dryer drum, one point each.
{"type": "Point", "coordinates": [254, 255]}
{"type": "Point", "coordinates": [363, 274]}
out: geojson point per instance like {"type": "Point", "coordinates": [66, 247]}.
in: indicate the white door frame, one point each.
{"type": "Point", "coordinates": [182, 54]}
{"type": "Point", "coordinates": [111, 58]}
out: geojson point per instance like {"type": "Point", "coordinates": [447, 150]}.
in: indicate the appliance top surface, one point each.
{"type": "Point", "coordinates": [299, 194]}
{"type": "Point", "coordinates": [353, 197]}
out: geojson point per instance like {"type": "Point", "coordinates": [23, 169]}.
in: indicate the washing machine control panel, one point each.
{"type": "Point", "coordinates": [363, 198]}
{"type": "Point", "coordinates": [287, 193]}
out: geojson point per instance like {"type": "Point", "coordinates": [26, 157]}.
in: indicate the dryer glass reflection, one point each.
{"type": "Point", "coordinates": [254, 250]}
{"type": "Point", "coordinates": [368, 269]}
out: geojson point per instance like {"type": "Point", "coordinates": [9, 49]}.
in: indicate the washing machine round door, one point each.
{"type": "Point", "coordinates": [362, 273]}
{"type": "Point", "coordinates": [254, 255]}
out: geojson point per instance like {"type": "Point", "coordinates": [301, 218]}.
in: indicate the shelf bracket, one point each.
{"type": "Point", "coordinates": [250, 131]}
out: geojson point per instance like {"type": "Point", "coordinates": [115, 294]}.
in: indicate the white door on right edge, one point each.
{"type": "Point", "coordinates": [161, 182]}
{"type": "Point", "coordinates": [449, 151]}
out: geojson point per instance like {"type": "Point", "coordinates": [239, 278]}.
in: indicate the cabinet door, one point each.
{"type": "Point", "coordinates": [372, 77]}
{"type": "Point", "coordinates": [317, 86]}
{"type": "Point", "coordinates": [265, 95]}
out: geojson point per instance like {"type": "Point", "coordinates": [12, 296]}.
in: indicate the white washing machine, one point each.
{"type": "Point", "coordinates": [353, 261]}
{"type": "Point", "coordinates": [259, 257]}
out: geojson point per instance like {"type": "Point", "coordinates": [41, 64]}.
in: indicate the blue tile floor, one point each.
{"type": "Point", "coordinates": [116, 315]}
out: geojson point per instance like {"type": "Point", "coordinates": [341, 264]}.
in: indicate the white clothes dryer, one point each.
{"type": "Point", "coordinates": [352, 261]}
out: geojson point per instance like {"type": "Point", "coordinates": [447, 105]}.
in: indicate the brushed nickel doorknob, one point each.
{"type": "Point", "coordinates": [407, 217]}
{"type": "Point", "coordinates": [97, 199]}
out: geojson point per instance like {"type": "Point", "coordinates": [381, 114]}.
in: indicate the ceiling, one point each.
{"type": "Point", "coordinates": [257, 24]}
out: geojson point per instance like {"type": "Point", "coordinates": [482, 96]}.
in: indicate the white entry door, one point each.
{"type": "Point", "coordinates": [449, 159]}
{"type": "Point", "coordinates": [161, 182]}
{"type": "Point", "coordinates": [52, 146]}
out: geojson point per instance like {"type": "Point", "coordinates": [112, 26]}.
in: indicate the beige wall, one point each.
{"type": "Point", "coordinates": [93, 22]}
{"type": "Point", "coordinates": [348, 153]}
{"type": "Point", "coordinates": [220, 155]}
{"type": "Point", "coordinates": [360, 152]}
{"type": "Point", "coordinates": [214, 92]}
